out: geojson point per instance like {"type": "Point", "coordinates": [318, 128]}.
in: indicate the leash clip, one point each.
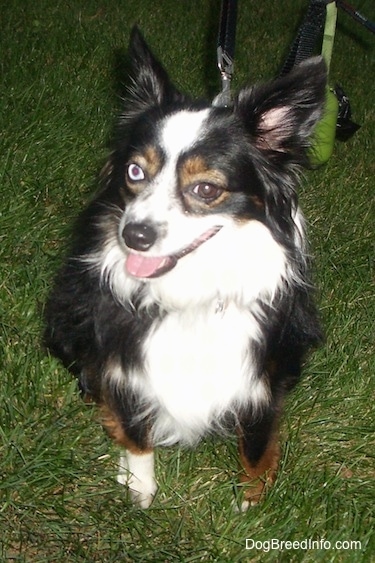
{"type": "Point", "coordinates": [225, 50]}
{"type": "Point", "coordinates": [226, 65]}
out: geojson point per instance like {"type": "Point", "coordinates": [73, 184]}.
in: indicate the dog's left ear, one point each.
{"type": "Point", "coordinates": [281, 115]}
{"type": "Point", "coordinates": [150, 82]}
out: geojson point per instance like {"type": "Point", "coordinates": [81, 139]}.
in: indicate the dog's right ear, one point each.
{"type": "Point", "coordinates": [150, 82]}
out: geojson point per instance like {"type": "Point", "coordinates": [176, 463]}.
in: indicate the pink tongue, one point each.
{"type": "Point", "coordinates": [147, 267]}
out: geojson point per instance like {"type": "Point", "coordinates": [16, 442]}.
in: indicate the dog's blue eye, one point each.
{"type": "Point", "coordinates": [135, 173]}
{"type": "Point", "coordinates": [207, 192]}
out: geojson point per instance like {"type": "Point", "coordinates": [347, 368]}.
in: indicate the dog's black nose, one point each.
{"type": "Point", "coordinates": [139, 236]}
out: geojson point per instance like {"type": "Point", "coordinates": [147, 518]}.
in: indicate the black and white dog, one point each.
{"type": "Point", "coordinates": [185, 304]}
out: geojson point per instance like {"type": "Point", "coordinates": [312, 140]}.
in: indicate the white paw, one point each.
{"type": "Point", "coordinates": [239, 508]}
{"type": "Point", "coordinates": [137, 473]}
{"type": "Point", "coordinates": [143, 498]}
{"type": "Point", "coordinates": [243, 506]}
{"type": "Point", "coordinates": [141, 492]}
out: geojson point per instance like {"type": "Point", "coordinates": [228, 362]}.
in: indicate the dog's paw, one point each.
{"type": "Point", "coordinates": [141, 492]}
{"type": "Point", "coordinates": [137, 474]}
{"type": "Point", "coordinates": [250, 494]}
{"type": "Point", "coordinates": [240, 507]}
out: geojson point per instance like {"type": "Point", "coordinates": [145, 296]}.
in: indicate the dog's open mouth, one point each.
{"type": "Point", "coordinates": [141, 266]}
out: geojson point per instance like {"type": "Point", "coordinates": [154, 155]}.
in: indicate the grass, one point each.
{"type": "Point", "coordinates": [58, 497]}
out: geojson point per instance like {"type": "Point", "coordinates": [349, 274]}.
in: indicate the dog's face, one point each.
{"type": "Point", "coordinates": [211, 189]}
{"type": "Point", "coordinates": [184, 187]}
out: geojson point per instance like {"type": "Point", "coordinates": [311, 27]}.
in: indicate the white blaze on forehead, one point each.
{"type": "Point", "coordinates": [181, 130]}
{"type": "Point", "coordinates": [157, 204]}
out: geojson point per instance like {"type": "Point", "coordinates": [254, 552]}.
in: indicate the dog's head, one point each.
{"type": "Point", "coordinates": [197, 179]}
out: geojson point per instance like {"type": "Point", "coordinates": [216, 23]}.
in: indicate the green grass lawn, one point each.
{"type": "Point", "coordinates": [59, 501]}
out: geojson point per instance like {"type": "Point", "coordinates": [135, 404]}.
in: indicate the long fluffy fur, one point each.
{"type": "Point", "coordinates": [220, 337]}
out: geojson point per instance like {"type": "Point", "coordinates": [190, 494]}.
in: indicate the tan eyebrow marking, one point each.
{"type": "Point", "coordinates": [195, 169]}
{"type": "Point", "coordinates": [153, 161]}
{"type": "Point", "coordinates": [150, 162]}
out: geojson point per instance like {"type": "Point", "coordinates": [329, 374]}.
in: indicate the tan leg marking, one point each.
{"type": "Point", "coordinates": [112, 424]}
{"type": "Point", "coordinates": [258, 477]}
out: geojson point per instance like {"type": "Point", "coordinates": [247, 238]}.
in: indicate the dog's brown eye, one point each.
{"type": "Point", "coordinates": [207, 192]}
{"type": "Point", "coordinates": [135, 173]}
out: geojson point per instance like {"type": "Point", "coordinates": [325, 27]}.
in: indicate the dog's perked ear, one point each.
{"type": "Point", "coordinates": [282, 114]}
{"type": "Point", "coordinates": [150, 82]}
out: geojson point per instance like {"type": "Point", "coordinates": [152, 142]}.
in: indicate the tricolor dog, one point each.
{"type": "Point", "coordinates": [185, 304]}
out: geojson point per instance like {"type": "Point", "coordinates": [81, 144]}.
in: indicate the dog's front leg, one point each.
{"type": "Point", "coordinates": [136, 464]}
{"type": "Point", "coordinates": [259, 456]}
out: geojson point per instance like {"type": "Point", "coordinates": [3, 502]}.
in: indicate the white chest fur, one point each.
{"type": "Point", "coordinates": [198, 367]}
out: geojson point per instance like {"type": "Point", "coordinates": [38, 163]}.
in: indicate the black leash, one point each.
{"type": "Point", "coordinates": [225, 50]}
{"type": "Point", "coordinates": [309, 32]}
{"type": "Point", "coordinates": [302, 48]}
{"type": "Point", "coordinates": [312, 27]}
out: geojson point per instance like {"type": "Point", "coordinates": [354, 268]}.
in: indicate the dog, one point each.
{"type": "Point", "coordinates": [185, 306]}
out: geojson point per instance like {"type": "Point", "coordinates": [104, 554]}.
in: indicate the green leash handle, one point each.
{"type": "Point", "coordinates": [325, 131]}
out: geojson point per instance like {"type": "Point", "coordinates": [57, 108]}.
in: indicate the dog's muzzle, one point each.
{"type": "Point", "coordinates": [140, 237]}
